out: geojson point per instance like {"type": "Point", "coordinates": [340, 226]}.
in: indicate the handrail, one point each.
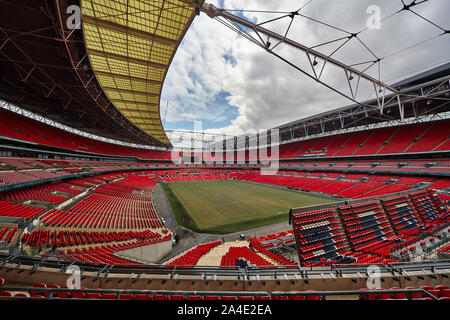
{"type": "Point", "coordinates": [51, 292]}
{"type": "Point", "coordinates": [218, 270]}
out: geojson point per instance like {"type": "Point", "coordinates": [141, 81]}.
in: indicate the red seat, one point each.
{"type": "Point", "coordinates": [159, 297]}
{"type": "Point", "coordinates": [93, 295]}
{"type": "Point", "coordinates": [279, 297]}
{"type": "Point", "coordinates": [312, 297]}
{"type": "Point", "coordinates": [227, 298]}
{"type": "Point", "coordinates": [128, 296]}
{"type": "Point", "coordinates": [296, 297]}
{"type": "Point", "coordinates": [245, 298]}
{"type": "Point", "coordinates": [39, 285]}
{"type": "Point", "coordinates": [110, 296]}
{"type": "Point", "coordinates": [399, 295]}
{"type": "Point", "coordinates": [6, 294]}
{"type": "Point", "coordinates": [435, 293]}
{"type": "Point", "coordinates": [441, 288]}
{"type": "Point", "coordinates": [62, 294]}
{"type": "Point", "coordinates": [21, 295]}
{"type": "Point", "coordinates": [262, 298]}
{"type": "Point", "coordinates": [78, 295]}
{"type": "Point", "coordinates": [426, 288]}
{"type": "Point", "coordinates": [367, 296]}
{"type": "Point", "coordinates": [415, 295]}
{"type": "Point", "coordinates": [444, 298]}
{"type": "Point", "coordinates": [194, 297]}
{"type": "Point", "coordinates": [2, 281]}
{"type": "Point", "coordinates": [445, 293]}
{"type": "Point", "coordinates": [210, 298]}
{"type": "Point", "coordinates": [53, 286]}
{"type": "Point", "coordinates": [177, 297]}
{"type": "Point", "coordinates": [140, 296]}
{"type": "Point", "coordinates": [383, 296]}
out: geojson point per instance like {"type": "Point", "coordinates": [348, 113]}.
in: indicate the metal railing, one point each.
{"type": "Point", "coordinates": [52, 293]}
{"type": "Point", "coordinates": [60, 264]}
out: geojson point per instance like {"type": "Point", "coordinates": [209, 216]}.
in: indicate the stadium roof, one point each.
{"type": "Point", "coordinates": [130, 45]}
{"type": "Point", "coordinates": [423, 95]}
{"type": "Point", "coordinates": [108, 83]}
{"type": "Point", "coordinates": [429, 75]}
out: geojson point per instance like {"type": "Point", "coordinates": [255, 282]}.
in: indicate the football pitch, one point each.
{"type": "Point", "coordinates": [222, 207]}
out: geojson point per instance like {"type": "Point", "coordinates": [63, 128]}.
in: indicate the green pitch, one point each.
{"type": "Point", "coordinates": [222, 207]}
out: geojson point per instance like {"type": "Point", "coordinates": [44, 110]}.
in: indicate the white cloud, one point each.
{"type": "Point", "coordinates": [266, 91]}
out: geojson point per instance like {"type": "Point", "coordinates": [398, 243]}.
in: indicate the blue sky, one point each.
{"type": "Point", "coordinates": [220, 106]}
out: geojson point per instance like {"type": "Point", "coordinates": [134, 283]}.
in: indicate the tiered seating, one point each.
{"type": "Point", "coordinates": [26, 129]}
{"type": "Point", "coordinates": [433, 136]}
{"type": "Point", "coordinates": [403, 215]}
{"type": "Point", "coordinates": [353, 143]}
{"type": "Point", "coordinates": [411, 138]}
{"type": "Point", "coordinates": [105, 254]}
{"type": "Point", "coordinates": [385, 189]}
{"type": "Point", "coordinates": [263, 244]}
{"type": "Point", "coordinates": [236, 253]}
{"type": "Point", "coordinates": [17, 163]}
{"type": "Point", "coordinates": [275, 240]}
{"type": "Point", "coordinates": [12, 177]}
{"type": "Point", "coordinates": [191, 257]}
{"type": "Point", "coordinates": [373, 228]}
{"type": "Point", "coordinates": [7, 233]}
{"type": "Point", "coordinates": [445, 249]}
{"type": "Point", "coordinates": [274, 257]}
{"type": "Point", "coordinates": [368, 228]}
{"type": "Point", "coordinates": [40, 193]}
{"type": "Point", "coordinates": [7, 209]}
{"type": "Point", "coordinates": [66, 238]}
{"type": "Point", "coordinates": [119, 215]}
{"type": "Point", "coordinates": [429, 206]}
{"type": "Point", "coordinates": [360, 189]}
{"type": "Point", "coordinates": [336, 187]}
{"type": "Point", "coordinates": [320, 236]}
{"type": "Point", "coordinates": [99, 254]}
{"type": "Point", "coordinates": [116, 205]}
{"type": "Point", "coordinates": [375, 141]}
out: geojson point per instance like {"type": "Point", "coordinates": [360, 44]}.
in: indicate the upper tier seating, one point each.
{"type": "Point", "coordinates": [424, 137]}
{"type": "Point", "coordinates": [22, 128]}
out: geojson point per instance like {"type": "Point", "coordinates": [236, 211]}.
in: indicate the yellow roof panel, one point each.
{"type": "Point", "coordinates": [130, 44]}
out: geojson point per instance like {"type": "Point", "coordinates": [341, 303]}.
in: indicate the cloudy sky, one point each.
{"type": "Point", "coordinates": [233, 86]}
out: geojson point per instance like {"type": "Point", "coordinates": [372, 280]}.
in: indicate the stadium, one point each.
{"type": "Point", "coordinates": [101, 200]}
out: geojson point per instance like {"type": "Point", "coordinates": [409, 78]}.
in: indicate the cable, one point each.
{"type": "Point", "coordinates": [410, 47]}
{"type": "Point", "coordinates": [427, 20]}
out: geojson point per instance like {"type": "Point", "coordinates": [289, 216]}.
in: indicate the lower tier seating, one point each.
{"type": "Point", "coordinates": [367, 232]}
